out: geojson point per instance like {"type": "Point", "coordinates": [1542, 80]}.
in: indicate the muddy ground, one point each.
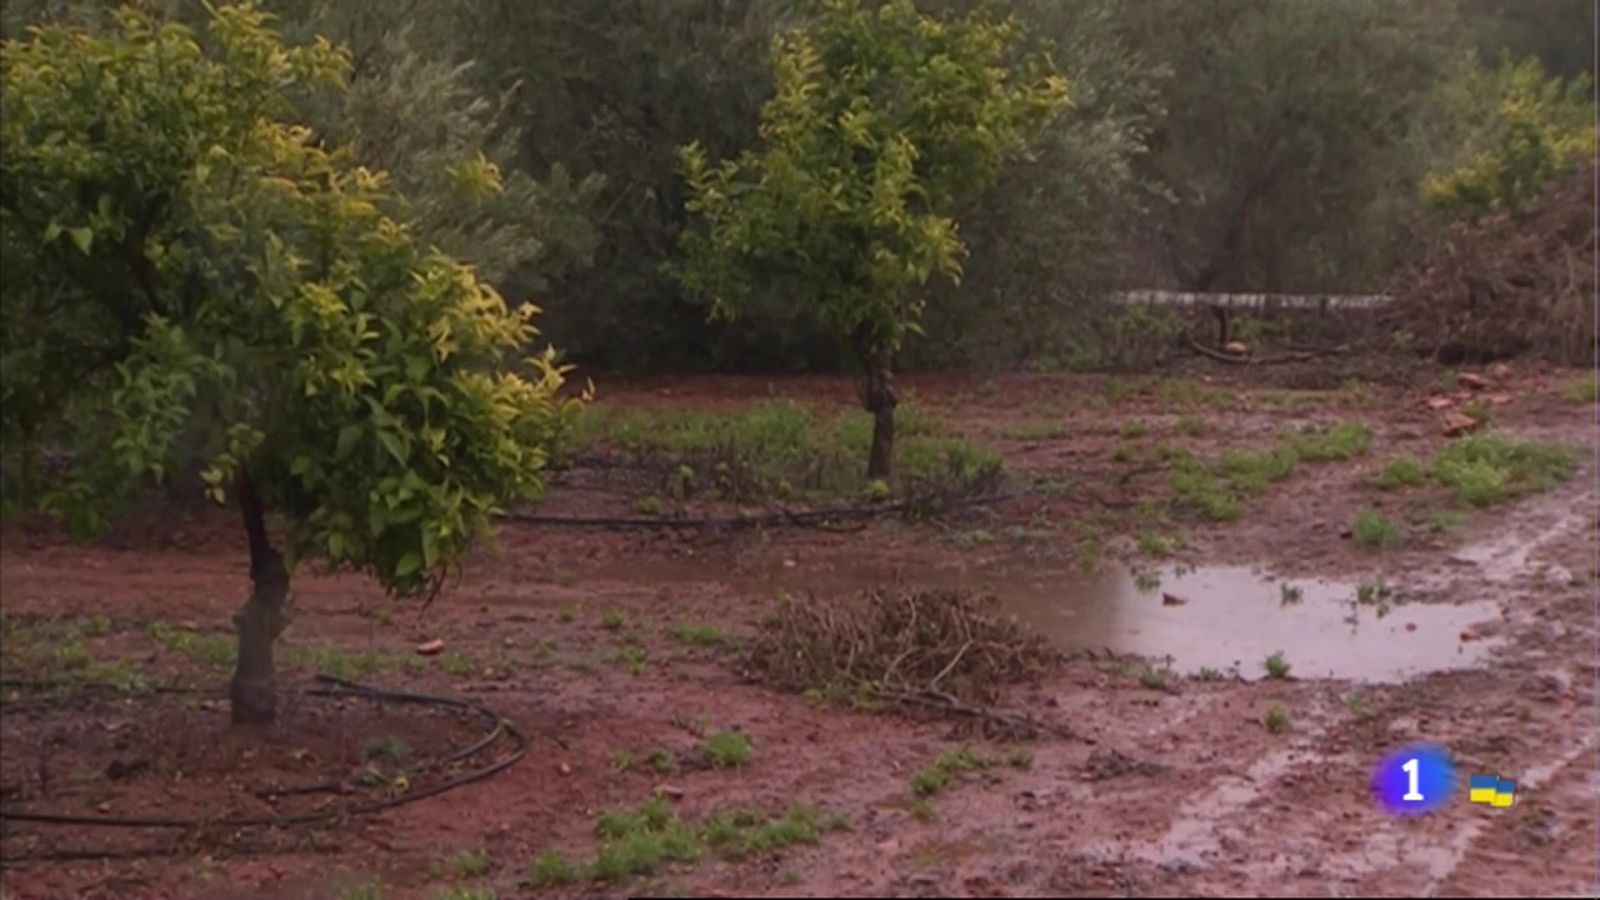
{"type": "Point", "coordinates": [1171, 785]}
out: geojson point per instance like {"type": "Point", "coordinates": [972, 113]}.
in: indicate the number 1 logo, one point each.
{"type": "Point", "coordinates": [1414, 780]}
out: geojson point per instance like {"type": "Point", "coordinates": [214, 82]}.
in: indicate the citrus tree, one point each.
{"type": "Point", "coordinates": [884, 120]}
{"type": "Point", "coordinates": [187, 268]}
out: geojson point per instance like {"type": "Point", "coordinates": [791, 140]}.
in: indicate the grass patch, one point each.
{"type": "Point", "coordinates": [1190, 426]}
{"type": "Point", "coordinates": [641, 841]}
{"type": "Point", "coordinates": [1249, 473]}
{"type": "Point", "coordinates": [1039, 431]}
{"type": "Point", "coordinates": [662, 761]}
{"type": "Point", "coordinates": [613, 621]}
{"type": "Point", "coordinates": [54, 650]}
{"type": "Point", "coordinates": [1584, 390]}
{"type": "Point", "coordinates": [1374, 531]}
{"type": "Point", "coordinates": [1290, 594]}
{"type": "Point", "coordinates": [1400, 473]}
{"type": "Point", "coordinates": [1134, 429]}
{"type": "Point", "coordinates": [1343, 440]}
{"type": "Point", "coordinates": [1276, 721]}
{"type": "Point", "coordinates": [1153, 678]}
{"type": "Point", "coordinates": [728, 750]}
{"type": "Point", "coordinates": [551, 869]}
{"type": "Point", "coordinates": [1277, 666]}
{"type": "Point", "coordinates": [1198, 489]}
{"type": "Point", "coordinates": [632, 657]}
{"type": "Point", "coordinates": [215, 652]}
{"type": "Point", "coordinates": [1156, 545]}
{"type": "Point", "coordinates": [465, 864]}
{"type": "Point", "coordinates": [937, 775]}
{"type": "Point", "coordinates": [782, 449]}
{"type": "Point", "coordinates": [1487, 469]}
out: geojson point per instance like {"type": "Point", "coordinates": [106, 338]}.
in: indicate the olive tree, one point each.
{"type": "Point", "coordinates": [190, 268]}
{"type": "Point", "coordinates": [884, 120]}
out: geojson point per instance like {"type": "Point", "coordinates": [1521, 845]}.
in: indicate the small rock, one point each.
{"type": "Point", "coordinates": [564, 769]}
{"type": "Point", "coordinates": [1500, 371]}
{"type": "Point", "coordinates": [430, 648]}
{"type": "Point", "coordinates": [1237, 348]}
{"type": "Point", "coordinates": [674, 793]}
{"type": "Point", "coordinates": [1456, 424]}
{"type": "Point", "coordinates": [788, 564]}
{"type": "Point", "coordinates": [1472, 382]}
{"type": "Point", "coordinates": [1411, 626]}
{"type": "Point", "coordinates": [1171, 599]}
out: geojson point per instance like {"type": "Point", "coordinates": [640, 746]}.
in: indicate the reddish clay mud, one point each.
{"type": "Point", "coordinates": [1172, 786]}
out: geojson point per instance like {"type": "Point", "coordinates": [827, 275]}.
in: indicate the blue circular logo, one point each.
{"type": "Point", "coordinates": [1415, 779]}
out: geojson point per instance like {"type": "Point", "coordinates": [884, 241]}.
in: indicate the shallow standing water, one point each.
{"type": "Point", "coordinates": [1226, 618]}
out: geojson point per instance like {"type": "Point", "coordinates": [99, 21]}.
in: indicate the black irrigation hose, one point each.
{"type": "Point", "coordinates": [342, 689]}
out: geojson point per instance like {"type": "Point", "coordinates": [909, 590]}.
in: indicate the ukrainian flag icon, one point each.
{"type": "Point", "coordinates": [1492, 790]}
{"type": "Point", "coordinates": [1481, 788]}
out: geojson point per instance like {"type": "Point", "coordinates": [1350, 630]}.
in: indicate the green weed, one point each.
{"type": "Point", "coordinates": [1276, 721]}
{"type": "Point", "coordinates": [932, 779]}
{"type": "Point", "coordinates": [1373, 531]}
{"type": "Point", "coordinates": [1402, 472]}
{"type": "Point", "coordinates": [1344, 440]}
{"type": "Point", "coordinates": [551, 869]}
{"type": "Point", "coordinates": [728, 750]}
{"type": "Point", "coordinates": [1487, 469]}
{"type": "Point", "coordinates": [1277, 666]}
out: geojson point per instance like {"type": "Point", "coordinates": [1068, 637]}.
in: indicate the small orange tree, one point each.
{"type": "Point", "coordinates": [186, 266]}
{"type": "Point", "coordinates": [884, 120]}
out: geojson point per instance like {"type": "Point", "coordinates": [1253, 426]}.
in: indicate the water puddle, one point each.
{"type": "Point", "coordinates": [1224, 618]}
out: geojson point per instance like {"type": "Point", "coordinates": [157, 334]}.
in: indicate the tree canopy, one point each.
{"type": "Point", "coordinates": [189, 267]}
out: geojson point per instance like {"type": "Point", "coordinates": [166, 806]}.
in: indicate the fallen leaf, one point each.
{"type": "Point", "coordinates": [1471, 381]}
{"type": "Point", "coordinates": [1499, 371]}
{"type": "Point", "coordinates": [1237, 348]}
{"type": "Point", "coordinates": [1456, 423]}
{"type": "Point", "coordinates": [1498, 399]}
{"type": "Point", "coordinates": [1438, 403]}
{"type": "Point", "coordinates": [430, 648]}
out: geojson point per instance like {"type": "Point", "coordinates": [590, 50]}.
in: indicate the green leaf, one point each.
{"type": "Point", "coordinates": [408, 565]}
{"type": "Point", "coordinates": [83, 237]}
{"type": "Point", "coordinates": [392, 443]}
{"type": "Point", "coordinates": [349, 436]}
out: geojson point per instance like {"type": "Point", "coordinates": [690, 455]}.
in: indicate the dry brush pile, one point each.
{"type": "Point", "coordinates": [931, 651]}
{"type": "Point", "coordinates": [1510, 283]}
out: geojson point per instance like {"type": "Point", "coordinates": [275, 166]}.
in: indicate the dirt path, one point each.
{"type": "Point", "coordinates": [1176, 787]}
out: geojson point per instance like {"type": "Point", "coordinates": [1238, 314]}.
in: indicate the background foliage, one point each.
{"type": "Point", "coordinates": [1233, 144]}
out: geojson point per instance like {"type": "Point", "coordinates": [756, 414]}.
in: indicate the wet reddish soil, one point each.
{"type": "Point", "coordinates": [1172, 787]}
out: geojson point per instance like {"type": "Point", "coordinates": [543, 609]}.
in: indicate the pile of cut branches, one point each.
{"type": "Point", "coordinates": [1510, 283]}
{"type": "Point", "coordinates": [932, 651]}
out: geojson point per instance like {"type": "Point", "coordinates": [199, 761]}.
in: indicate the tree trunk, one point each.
{"type": "Point", "coordinates": [254, 691]}
{"type": "Point", "coordinates": [880, 400]}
